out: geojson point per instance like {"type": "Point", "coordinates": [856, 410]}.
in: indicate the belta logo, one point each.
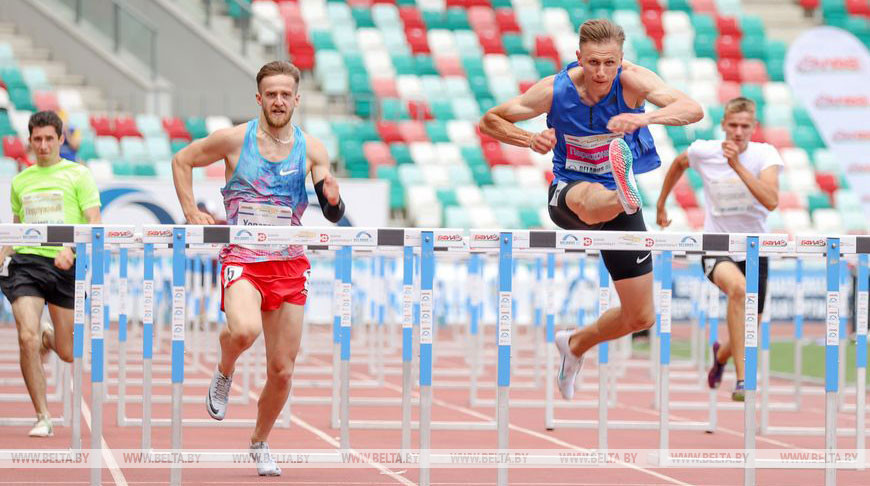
{"type": "Point", "coordinates": [818, 242]}
{"type": "Point", "coordinates": [450, 237]}
{"type": "Point", "coordinates": [775, 243]}
{"type": "Point", "coordinates": [486, 237]}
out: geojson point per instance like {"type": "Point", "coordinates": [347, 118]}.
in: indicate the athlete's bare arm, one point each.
{"type": "Point", "coordinates": [224, 144]}
{"type": "Point", "coordinates": [640, 84]}
{"type": "Point", "coordinates": [318, 164]}
{"type": "Point", "coordinates": [499, 121]}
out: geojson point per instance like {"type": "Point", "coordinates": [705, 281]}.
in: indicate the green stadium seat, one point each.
{"type": "Point", "coordinates": [196, 127]}
{"type": "Point", "coordinates": [362, 17]}
{"type": "Point", "coordinates": [401, 153]}
{"type": "Point", "coordinates": [436, 130]}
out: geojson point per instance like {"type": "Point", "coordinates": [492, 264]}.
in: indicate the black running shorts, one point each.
{"type": "Point", "coordinates": [36, 276]}
{"type": "Point", "coordinates": [709, 263]}
{"type": "Point", "coordinates": [620, 264]}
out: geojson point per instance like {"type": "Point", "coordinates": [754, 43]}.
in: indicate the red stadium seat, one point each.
{"type": "Point", "coordinates": [490, 41]}
{"type": "Point", "coordinates": [517, 156]}
{"type": "Point", "coordinates": [456, 4]}
{"type": "Point", "coordinates": [449, 66]}
{"type": "Point", "coordinates": [728, 90]}
{"type": "Point", "coordinates": [175, 128]}
{"type": "Point", "coordinates": [758, 134]}
{"type": "Point", "coordinates": [413, 131]}
{"type": "Point", "coordinates": [704, 7]}
{"type": "Point", "coordinates": [411, 18]}
{"type": "Point", "coordinates": [778, 137]}
{"type": "Point", "coordinates": [525, 85]}
{"type": "Point", "coordinates": [827, 182]}
{"type": "Point", "coordinates": [417, 40]}
{"type": "Point", "coordinates": [102, 126]}
{"type": "Point", "coordinates": [493, 154]}
{"type": "Point", "coordinates": [46, 101]}
{"type": "Point", "coordinates": [545, 47]}
{"type": "Point", "coordinates": [753, 71]}
{"type": "Point", "coordinates": [384, 87]}
{"type": "Point", "coordinates": [650, 5]}
{"type": "Point", "coordinates": [858, 7]}
{"type": "Point", "coordinates": [548, 175]}
{"type": "Point", "coordinates": [685, 196]}
{"type": "Point", "coordinates": [728, 47]}
{"type": "Point", "coordinates": [729, 70]}
{"type": "Point", "coordinates": [790, 200]}
{"type": "Point", "coordinates": [728, 26]}
{"type": "Point", "coordinates": [652, 22]}
{"type": "Point", "coordinates": [389, 131]}
{"type": "Point", "coordinates": [507, 21]}
{"type": "Point", "coordinates": [378, 153]}
{"type": "Point", "coordinates": [14, 149]}
{"type": "Point", "coordinates": [481, 18]}
{"type": "Point", "coordinates": [810, 5]}
{"type": "Point", "coordinates": [419, 110]}
{"type": "Point", "coordinates": [125, 126]}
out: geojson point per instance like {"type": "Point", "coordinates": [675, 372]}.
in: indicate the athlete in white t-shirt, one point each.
{"type": "Point", "coordinates": [741, 186]}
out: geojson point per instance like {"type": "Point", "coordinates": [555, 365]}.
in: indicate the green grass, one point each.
{"type": "Point", "coordinates": [781, 357]}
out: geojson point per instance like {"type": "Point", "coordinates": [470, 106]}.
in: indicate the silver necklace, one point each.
{"type": "Point", "coordinates": [273, 137]}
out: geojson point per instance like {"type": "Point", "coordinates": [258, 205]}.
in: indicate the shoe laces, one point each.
{"type": "Point", "coordinates": [222, 388]}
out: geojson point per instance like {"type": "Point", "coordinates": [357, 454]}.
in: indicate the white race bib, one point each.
{"type": "Point", "coordinates": [589, 154]}
{"type": "Point", "coordinates": [44, 207]}
{"type": "Point", "coordinates": [729, 196]}
{"type": "Point", "coordinates": [257, 214]}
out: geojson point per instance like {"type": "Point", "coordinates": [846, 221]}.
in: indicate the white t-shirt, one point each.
{"type": "Point", "coordinates": [729, 206]}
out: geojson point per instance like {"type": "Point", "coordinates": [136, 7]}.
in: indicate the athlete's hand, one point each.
{"type": "Point", "coordinates": [662, 216]}
{"type": "Point", "coordinates": [627, 122]}
{"type": "Point", "coordinates": [65, 259]}
{"type": "Point", "coordinates": [198, 217]}
{"type": "Point", "coordinates": [731, 152]}
{"type": "Point", "coordinates": [543, 142]}
{"type": "Point", "coordinates": [330, 189]}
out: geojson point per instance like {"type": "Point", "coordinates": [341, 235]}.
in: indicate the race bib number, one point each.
{"type": "Point", "coordinates": [255, 214]}
{"type": "Point", "coordinates": [44, 207]}
{"type": "Point", "coordinates": [231, 273]}
{"type": "Point", "coordinates": [589, 154]}
{"type": "Point", "coordinates": [729, 196]}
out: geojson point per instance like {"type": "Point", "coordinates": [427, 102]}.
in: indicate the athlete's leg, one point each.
{"type": "Point", "coordinates": [27, 311]}
{"type": "Point", "coordinates": [61, 339]}
{"type": "Point", "coordinates": [282, 329]}
{"type": "Point", "coordinates": [635, 313]}
{"type": "Point", "coordinates": [593, 203]}
{"type": "Point", "coordinates": [728, 277]}
{"type": "Point", "coordinates": [244, 323]}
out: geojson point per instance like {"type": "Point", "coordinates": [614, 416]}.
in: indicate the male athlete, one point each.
{"type": "Point", "coordinates": [741, 185]}
{"type": "Point", "coordinates": [597, 130]}
{"type": "Point", "coordinates": [53, 191]}
{"type": "Point", "coordinates": [267, 160]}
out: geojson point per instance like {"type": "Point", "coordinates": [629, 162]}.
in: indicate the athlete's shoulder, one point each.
{"type": "Point", "coordinates": [765, 151]}
{"type": "Point", "coordinates": [704, 148]}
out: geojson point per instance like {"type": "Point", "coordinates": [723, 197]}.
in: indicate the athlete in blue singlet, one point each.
{"type": "Point", "coordinates": [599, 137]}
{"type": "Point", "coordinates": [267, 160]}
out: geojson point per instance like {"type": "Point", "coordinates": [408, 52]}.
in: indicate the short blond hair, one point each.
{"type": "Point", "coordinates": [600, 31]}
{"type": "Point", "coordinates": [739, 105]}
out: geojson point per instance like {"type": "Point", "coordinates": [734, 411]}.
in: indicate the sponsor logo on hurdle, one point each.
{"type": "Point", "coordinates": [688, 242]}
{"type": "Point", "coordinates": [261, 237]}
{"type": "Point", "coordinates": [587, 241]}
{"type": "Point", "coordinates": [363, 237]}
{"type": "Point", "coordinates": [119, 234]}
{"type": "Point", "coordinates": [241, 236]}
{"type": "Point", "coordinates": [812, 242]}
{"type": "Point", "coordinates": [649, 242]}
{"type": "Point", "coordinates": [31, 234]}
{"type": "Point", "coordinates": [163, 233]}
{"type": "Point", "coordinates": [453, 237]}
{"type": "Point", "coordinates": [324, 237]}
{"type": "Point", "coordinates": [774, 243]}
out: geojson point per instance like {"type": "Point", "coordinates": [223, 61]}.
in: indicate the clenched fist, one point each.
{"type": "Point", "coordinates": [627, 122]}
{"type": "Point", "coordinates": [543, 142]}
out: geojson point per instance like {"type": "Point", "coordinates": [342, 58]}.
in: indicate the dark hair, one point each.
{"type": "Point", "coordinates": [275, 68]}
{"type": "Point", "coordinates": [45, 119]}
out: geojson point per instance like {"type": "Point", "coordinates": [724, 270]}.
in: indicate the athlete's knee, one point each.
{"type": "Point", "coordinates": [29, 341]}
{"type": "Point", "coordinates": [243, 336]}
{"type": "Point", "coordinates": [736, 291]}
{"type": "Point", "coordinates": [639, 319]}
{"type": "Point", "coordinates": [64, 350]}
{"type": "Point", "coordinates": [280, 371]}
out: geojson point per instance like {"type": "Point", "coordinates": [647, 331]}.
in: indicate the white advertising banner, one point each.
{"type": "Point", "coordinates": [150, 201]}
{"type": "Point", "coordinates": [828, 70]}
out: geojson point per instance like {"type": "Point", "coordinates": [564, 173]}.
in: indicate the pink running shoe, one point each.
{"type": "Point", "coordinates": [620, 163]}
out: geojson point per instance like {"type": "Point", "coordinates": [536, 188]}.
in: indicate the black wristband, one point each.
{"type": "Point", "coordinates": [333, 213]}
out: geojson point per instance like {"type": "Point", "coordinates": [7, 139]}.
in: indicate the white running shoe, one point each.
{"type": "Point", "coordinates": [266, 465]}
{"type": "Point", "coordinates": [42, 428]}
{"type": "Point", "coordinates": [570, 365]}
{"type": "Point", "coordinates": [218, 395]}
{"type": "Point", "coordinates": [623, 174]}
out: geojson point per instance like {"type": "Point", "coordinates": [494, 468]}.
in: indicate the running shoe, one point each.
{"type": "Point", "coordinates": [570, 365]}
{"type": "Point", "coordinates": [266, 465]}
{"type": "Point", "coordinates": [739, 393]}
{"type": "Point", "coordinates": [620, 166]}
{"type": "Point", "coordinates": [714, 377]}
{"type": "Point", "coordinates": [42, 428]}
{"type": "Point", "coordinates": [218, 395]}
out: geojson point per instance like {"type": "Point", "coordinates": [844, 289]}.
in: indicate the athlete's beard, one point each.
{"type": "Point", "coordinates": [277, 121]}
